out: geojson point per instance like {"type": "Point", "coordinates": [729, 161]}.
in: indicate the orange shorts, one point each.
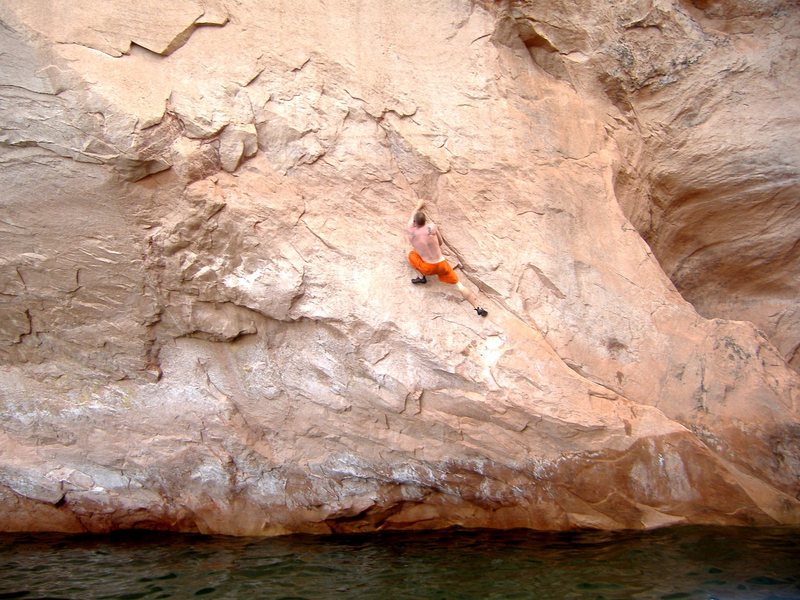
{"type": "Point", "coordinates": [442, 269]}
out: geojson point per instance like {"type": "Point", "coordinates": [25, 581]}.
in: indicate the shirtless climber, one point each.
{"type": "Point", "coordinates": [426, 257]}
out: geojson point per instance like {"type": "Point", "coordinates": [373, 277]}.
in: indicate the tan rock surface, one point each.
{"type": "Point", "coordinates": [206, 316]}
{"type": "Point", "coordinates": [710, 165]}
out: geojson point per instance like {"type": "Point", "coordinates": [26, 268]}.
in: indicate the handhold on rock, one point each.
{"type": "Point", "coordinates": [235, 143]}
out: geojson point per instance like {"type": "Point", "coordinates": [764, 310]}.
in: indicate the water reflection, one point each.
{"type": "Point", "coordinates": [691, 562]}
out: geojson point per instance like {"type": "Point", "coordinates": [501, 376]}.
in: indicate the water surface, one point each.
{"type": "Point", "coordinates": [668, 564]}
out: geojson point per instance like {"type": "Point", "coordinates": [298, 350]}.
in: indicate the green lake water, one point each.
{"type": "Point", "coordinates": [668, 564]}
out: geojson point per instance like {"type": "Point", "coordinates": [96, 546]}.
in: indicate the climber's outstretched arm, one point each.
{"type": "Point", "coordinates": [417, 208]}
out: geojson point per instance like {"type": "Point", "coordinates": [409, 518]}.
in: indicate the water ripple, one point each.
{"type": "Point", "coordinates": [696, 563]}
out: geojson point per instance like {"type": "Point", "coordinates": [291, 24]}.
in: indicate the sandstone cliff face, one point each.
{"type": "Point", "coordinates": [206, 317]}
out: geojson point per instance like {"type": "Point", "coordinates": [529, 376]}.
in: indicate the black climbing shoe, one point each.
{"type": "Point", "coordinates": [481, 311]}
{"type": "Point", "coordinates": [419, 280]}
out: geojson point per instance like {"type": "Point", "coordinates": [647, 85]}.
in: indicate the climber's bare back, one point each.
{"type": "Point", "coordinates": [425, 241]}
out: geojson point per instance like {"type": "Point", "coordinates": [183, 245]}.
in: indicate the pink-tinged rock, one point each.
{"type": "Point", "coordinates": [208, 321]}
{"type": "Point", "coordinates": [237, 142]}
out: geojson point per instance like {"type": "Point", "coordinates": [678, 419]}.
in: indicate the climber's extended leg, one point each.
{"type": "Point", "coordinates": [471, 298]}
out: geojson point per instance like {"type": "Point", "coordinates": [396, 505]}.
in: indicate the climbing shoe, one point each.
{"type": "Point", "coordinates": [481, 311]}
{"type": "Point", "coordinates": [419, 280]}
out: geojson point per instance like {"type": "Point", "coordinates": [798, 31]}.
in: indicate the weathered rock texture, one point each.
{"type": "Point", "coordinates": [206, 320]}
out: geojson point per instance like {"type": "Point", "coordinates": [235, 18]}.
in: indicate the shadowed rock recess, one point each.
{"type": "Point", "coordinates": [206, 316]}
